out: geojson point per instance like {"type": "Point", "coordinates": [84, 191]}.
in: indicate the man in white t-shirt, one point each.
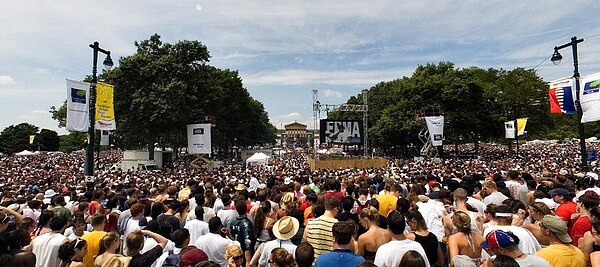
{"type": "Point", "coordinates": [499, 242]}
{"type": "Point", "coordinates": [493, 196]}
{"type": "Point", "coordinates": [390, 254]}
{"type": "Point", "coordinates": [197, 227]}
{"type": "Point", "coordinates": [227, 214]}
{"type": "Point", "coordinates": [45, 247]}
{"type": "Point", "coordinates": [213, 243]}
{"type": "Point", "coordinates": [503, 216]}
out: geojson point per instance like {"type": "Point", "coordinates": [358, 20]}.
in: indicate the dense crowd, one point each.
{"type": "Point", "coordinates": [536, 209]}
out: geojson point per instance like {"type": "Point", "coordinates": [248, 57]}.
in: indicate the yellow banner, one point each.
{"type": "Point", "coordinates": [105, 109]}
{"type": "Point", "coordinates": [31, 137]}
{"type": "Point", "coordinates": [521, 126]}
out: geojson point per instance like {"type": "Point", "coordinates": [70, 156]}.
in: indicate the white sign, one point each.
{"type": "Point", "coordinates": [509, 129]}
{"type": "Point", "coordinates": [104, 138]}
{"type": "Point", "coordinates": [89, 179]}
{"type": "Point", "coordinates": [78, 118]}
{"type": "Point", "coordinates": [589, 95]}
{"type": "Point", "coordinates": [199, 140]}
{"type": "Point", "coordinates": [435, 126]}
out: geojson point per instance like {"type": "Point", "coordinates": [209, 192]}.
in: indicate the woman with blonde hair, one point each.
{"type": "Point", "coordinates": [465, 246]}
{"type": "Point", "coordinates": [287, 205]}
{"type": "Point", "coordinates": [234, 256]}
{"type": "Point", "coordinates": [281, 258]}
{"type": "Point", "coordinates": [370, 241]}
{"type": "Point", "coordinates": [109, 244]}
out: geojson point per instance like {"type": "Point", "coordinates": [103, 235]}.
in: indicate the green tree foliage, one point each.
{"type": "Point", "coordinates": [163, 87]}
{"type": "Point", "coordinates": [475, 103]}
{"type": "Point", "coordinates": [60, 114]}
{"type": "Point", "coordinates": [48, 140]}
{"type": "Point", "coordinates": [72, 142]}
{"type": "Point", "coordinates": [15, 138]}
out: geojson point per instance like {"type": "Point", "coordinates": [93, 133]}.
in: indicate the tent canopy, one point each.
{"type": "Point", "coordinates": [258, 159]}
{"type": "Point", "coordinates": [25, 153]}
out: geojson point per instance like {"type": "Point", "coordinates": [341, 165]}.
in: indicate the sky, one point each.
{"type": "Point", "coordinates": [285, 49]}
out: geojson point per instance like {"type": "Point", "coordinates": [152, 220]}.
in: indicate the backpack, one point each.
{"type": "Point", "coordinates": [123, 226]}
{"type": "Point", "coordinates": [172, 260]}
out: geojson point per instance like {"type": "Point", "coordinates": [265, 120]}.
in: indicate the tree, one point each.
{"type": "Point", "coordinates": [60, 114]}
{"type": "Point", "coordinates": [15, 138]}
{"type": "Point", "coordinates": [163, 87]}
{"type": "Point", "coordinates": [48, 140]}
{"type": "Point", "coordinates": [72, 142]}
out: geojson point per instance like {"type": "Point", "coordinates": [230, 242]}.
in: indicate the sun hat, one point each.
{"type": "Point", "coordinates": [240, 187]}
{"type": "Point", "coordinates": [286, 227]}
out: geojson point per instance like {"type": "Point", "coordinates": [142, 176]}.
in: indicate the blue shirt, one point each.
{"type": "Point", "coordinates": [339, 258]}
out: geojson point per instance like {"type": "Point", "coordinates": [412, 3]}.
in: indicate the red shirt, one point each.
{"type": "Point", "coordinates": [93, 207]}
{"type": "Point", "coordinates": [581, 225]}
{"type": "Point", "coordinates": [565, 210]}
{"type": "Point", "coordinates": [304, 205]}
{"type": "Point", "coordinates": [336, 194]}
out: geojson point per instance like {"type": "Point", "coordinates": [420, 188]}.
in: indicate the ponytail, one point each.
{"type": "Point", "coordinates": [67, 249]}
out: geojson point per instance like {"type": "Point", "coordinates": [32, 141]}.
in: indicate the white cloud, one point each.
{"type": "Point", "coordinates": [6, 80]}
{"type": "Point", "coordinates": [341, 77]}
{"type": "Point", "coordinates": [329, 92]}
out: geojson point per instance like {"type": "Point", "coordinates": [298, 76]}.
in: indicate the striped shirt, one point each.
{"type": "Point", "coordinates": [320, 235]}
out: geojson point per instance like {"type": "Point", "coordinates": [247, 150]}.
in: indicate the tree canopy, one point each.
{"type": "Point", "coordinates": [474, 101]}
{"type": "Point", "coordinates": [163, 87]}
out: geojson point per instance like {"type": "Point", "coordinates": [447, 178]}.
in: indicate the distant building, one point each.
{"type": "Point", "coordinates": [296, 134]}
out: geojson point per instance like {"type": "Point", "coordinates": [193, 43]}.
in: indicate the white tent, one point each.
{"type": "Point", "coordinates": [25, 153]}
{"type": "Point", "coordinates": [257, 159]}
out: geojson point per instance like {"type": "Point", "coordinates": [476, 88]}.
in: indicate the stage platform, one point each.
{"type": "Point", "coordinates": [334, 163]}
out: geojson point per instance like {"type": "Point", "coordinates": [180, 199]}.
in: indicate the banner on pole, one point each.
{"type": "Point", "coordinates": [105, 138]}
{"type": "Point", "coordinates": [105, 108]}
{"type": "Point", "coordinates": [509, 130]}
{"type": "Point", "coordinates": [77, 106]}
{"type": "Point", "coordinates": [435, 126]}
{"type": "Point", "coordinates": [31, 138]}
{"type": "Point", "coordinates": [589, 96]}
{"type": "Point", "coordinates": [561, 96]}
{"type": "Point", "coordinates": [521, 126]}
{"type": "Point", "coordinates": [199, 141]}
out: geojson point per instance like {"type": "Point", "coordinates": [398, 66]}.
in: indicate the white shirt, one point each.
{"type": "Point", "coordinates": [214, 246]}
{"type": "Point", "coordinates": [476, 203]}
{"type": "Point", "coordinates": [432, 213]}
{"type": "Point", "coordinates": [390, 254]}
{"type": "Point", "coordinates": [268, 247]}
{"type": "Point", "coordinates": [227, 217]}
{"type": "Point", "coordinates": [528, 243]}
{"type": "Point", "coordinates": [196, 228]}
{"type": "Point", "coordinates": [495, 198]}
{"type": "Point", "coordinates": [132, 226]}
{"type": "Point", "coordinates": [45, 247]}
{"type": "Point", "coordinates": [548, 201]}
{"type": "Point", "coordinates": [533, 261]}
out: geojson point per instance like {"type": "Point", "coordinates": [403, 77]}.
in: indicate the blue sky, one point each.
{"type": "Point", "coordinates": [285, 49]}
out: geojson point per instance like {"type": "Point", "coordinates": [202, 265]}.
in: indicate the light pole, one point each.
{"type": "Point", "coordinates": [89, 153]}
{"type": "Point", "coordinates": [556, 58]}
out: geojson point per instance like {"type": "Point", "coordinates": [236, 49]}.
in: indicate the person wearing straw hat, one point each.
{"type": "Point", "coordinates": [284, 229]}
{"type": "Point", "coordinates": [560, 252]}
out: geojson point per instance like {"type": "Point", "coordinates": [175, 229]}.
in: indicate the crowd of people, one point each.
{"type": "Point", "coordinates": [537, 209]}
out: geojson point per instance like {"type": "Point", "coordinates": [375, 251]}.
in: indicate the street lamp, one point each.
{"type": "Point", "coordinates": [556, 58]}
{"type": "Point", "coordinates": [89, 153]}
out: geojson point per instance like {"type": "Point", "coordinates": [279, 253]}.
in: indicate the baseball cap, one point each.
{"type": "Point", "coordinates": [557, 226]}
{"type": "Point", "coordinates": [560, 192]}
{"type": "Point", "coordinates": [193, 256]}
{"type": "Point", "coordinates": [499, 239]}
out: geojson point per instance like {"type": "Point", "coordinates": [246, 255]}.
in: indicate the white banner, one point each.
{"type": "Point", "coordinates": [435, 126]}
{"type": "Point", "coordinates": [509, 129]}
{"type": "Point", "coordinates": [78, 118]}
{"type": "Point", "coordinates": [589, 95]}
{"type": "Point", "coordinates": [104, 138]}
{"type": "Point", "coordinates": [199, 141]}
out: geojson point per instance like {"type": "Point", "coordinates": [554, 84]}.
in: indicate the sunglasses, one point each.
{"type": "Point", "coordinates": [237, 258]}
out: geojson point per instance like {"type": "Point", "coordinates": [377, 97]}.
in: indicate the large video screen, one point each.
{"type": "Point", "coordinates": [344, 132]}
